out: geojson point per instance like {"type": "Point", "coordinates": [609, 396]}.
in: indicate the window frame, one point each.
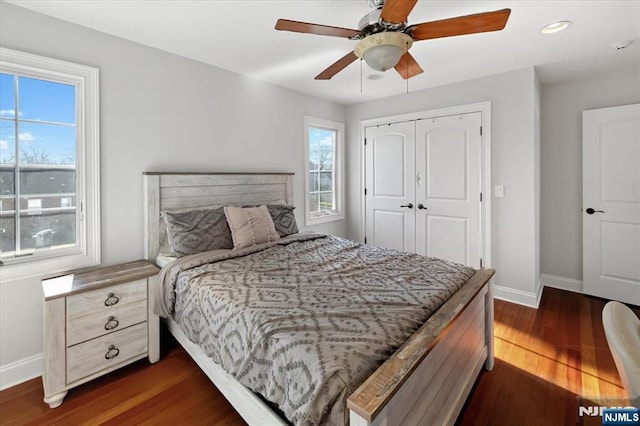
{"type": "Point", "coordinates": [87, 250]}
{"type": "Point", "coordinates": [319, 123]}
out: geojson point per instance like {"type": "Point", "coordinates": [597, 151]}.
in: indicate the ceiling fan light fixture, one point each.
{"type": "Point", "coordinates": [382, 51]}
{"type": "Point", "coordinates": [556, 27]}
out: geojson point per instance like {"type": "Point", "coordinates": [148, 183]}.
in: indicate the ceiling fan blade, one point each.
{"type": "Point", "coordinates": [397, 11]}
{"type": "Point", "coordinates": [305, 27]}
{"type": "Point", "coordinates": [470, 24]}
{"type": "Point", "coordinates": [407, 67]}
{"type": "Point", "coordinates": [337, 66]}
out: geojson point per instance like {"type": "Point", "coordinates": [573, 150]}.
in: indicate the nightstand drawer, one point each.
{"type": "Point", "coordinates": [105, 299]}
{"type": "Point", "coordinates": [105, 352]}
{"type": "Point", "coordinates": [104, 322]}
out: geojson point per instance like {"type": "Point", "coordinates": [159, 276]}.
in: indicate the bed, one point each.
{"type": "Point", "coordinates": [425, 381]}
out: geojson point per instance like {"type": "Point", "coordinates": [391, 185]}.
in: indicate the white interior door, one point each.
{"type": "Point", "coordinates": [611, 203]}
{"type": "Point", "coordinates": [390, 171]}
{"type": "Point", "coordinates": [448, 159]}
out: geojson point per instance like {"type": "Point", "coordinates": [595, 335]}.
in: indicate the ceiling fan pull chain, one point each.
{"type": "Point", "coordinates": [360, 75]}
{"type": "Point", "coordinates": [407, 71]}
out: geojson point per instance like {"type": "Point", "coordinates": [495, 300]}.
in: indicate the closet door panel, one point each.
{"type": "Point", "coordinates": [389, 183]}
{"type": "Point", "coordinates": [446, 159]}
{"type": "Point", "coordinates": [447, 237]}
{"type": "Point", "coordinates": [448, 152]}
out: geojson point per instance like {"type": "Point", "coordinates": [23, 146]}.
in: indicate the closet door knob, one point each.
{"type": "Point", "coordinates": [592, 211]}
{"type": "Point", "coordinates": [421, 206]}
{"type": "Point", "coordinates": [409, 206]}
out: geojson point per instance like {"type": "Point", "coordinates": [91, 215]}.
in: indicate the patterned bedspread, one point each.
{"type": "Point", "coordinates": [304, 321]}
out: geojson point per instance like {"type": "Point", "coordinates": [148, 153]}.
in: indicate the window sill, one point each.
{"type": "Point", "coordinates": [42, 268]}
{"type": "Point", "coordinates": [310, 221]}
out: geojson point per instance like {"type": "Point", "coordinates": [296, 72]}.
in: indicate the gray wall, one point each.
{"type": "Point", "coordinates": [163, 112]}
{"type": "Point", "coordinates": [513, 151]}
{"type": "Point", "coordinates": [158, 112]}
{"type": "Point", "coordinates": [561, 162]}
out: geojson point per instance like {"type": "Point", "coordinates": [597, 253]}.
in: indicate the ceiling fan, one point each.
{"type": "Point", "coordinates": [385, 37]}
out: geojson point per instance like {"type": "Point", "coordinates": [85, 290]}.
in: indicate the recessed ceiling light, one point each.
{"type": "Point", "coordinates": [555, 27]}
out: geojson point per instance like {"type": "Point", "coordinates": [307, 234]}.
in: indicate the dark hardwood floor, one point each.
{"type": "Point", "coordinates": [546, 360]}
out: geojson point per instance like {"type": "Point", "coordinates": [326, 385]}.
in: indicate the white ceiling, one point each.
{"type": "Point", "coordinates": [239, 36]}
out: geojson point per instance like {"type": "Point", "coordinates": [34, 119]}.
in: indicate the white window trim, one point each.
{"type": "Point", "coordinates": [339, 167]}
{"type": "Point", "coordinates": [86, 79]}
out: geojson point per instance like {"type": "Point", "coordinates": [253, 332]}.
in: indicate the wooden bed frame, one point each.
{"type": "Point", "coordinates": [426, 381]}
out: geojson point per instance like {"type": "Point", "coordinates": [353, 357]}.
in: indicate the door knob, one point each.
{"type": "Point", "coordinates": [421, 206]}
{"type": "Point", "coordinates": [410, 205]}
{"type": "Point", "coordinates": [592, 211]}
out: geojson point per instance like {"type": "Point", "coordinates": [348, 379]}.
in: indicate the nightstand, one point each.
{"type": "Point", "coordinates": [95, 321]}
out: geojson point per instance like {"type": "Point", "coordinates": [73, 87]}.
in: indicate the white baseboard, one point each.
{"type": "Point", "coordinates": [20, 371]}
{"type": "Point", "coordinates": [520, 297]}
{"type": "Point", "coordinates": [562, 283]}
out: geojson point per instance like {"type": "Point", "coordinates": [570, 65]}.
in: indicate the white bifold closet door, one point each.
{"type": "Point", "coordinates": [423, 185]}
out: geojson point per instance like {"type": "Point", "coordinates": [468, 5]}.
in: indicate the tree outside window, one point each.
{"type": "Point", "coordinates": [37, 164]}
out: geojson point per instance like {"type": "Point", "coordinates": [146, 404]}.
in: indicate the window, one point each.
{"type": "Point", "coordinates": [49, 165]}
{"type": "Point", "coordinates": [323, 170]}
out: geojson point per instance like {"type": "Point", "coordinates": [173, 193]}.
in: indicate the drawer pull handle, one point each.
{"type": "Point", "coordinates": [112, 352]}
{"type": "Point", "coordinates": [112, 323]}
{"type": "Point", "coordinates": [111, 300]}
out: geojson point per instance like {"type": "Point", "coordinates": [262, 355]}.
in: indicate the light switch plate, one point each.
{"type": "Point", "coordinates": [498, 191]}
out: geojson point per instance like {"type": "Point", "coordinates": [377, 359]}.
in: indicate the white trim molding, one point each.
{"type": "Point", "coordinates": [20, 371]}
{"type": "Point", "coordinates": [520, 297]}
{"type": "Point", "coordinates": [86, 252]}
{"type": "Point", "coordinates": [562, 283]}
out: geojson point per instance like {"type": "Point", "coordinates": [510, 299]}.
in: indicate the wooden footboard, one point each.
{"type": "Point", "coordinates": [429, 378]}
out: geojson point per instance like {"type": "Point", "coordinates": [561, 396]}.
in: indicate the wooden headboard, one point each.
{"type": "Point", "coordinates": [174, 190]}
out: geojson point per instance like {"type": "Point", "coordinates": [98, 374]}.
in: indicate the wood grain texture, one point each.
{"type": "Point", "coordinates": [93, 278]}
{"type": "Point", "coordinates": [171, 392]}
{"type": "Point", "coordinates": [397, 11]}
{"type": "Point", "coordinates": [101, 323]}
{"type": "Point", "coordinates": [337, 66]}
{"type": "Point", "coordinates": [153, 321]}
{"type": "Point", "coordinates": [80, 326]}
{"type": "Point", "coordinates": [176, 190]}
{"type": "Point", "coordinates": [310, 28]}
{"type": "Point", "coordinates": [105, 300]}
{"type": "Point", "coordinates": [537, 379]}
{"type": "Point", "coordinates": [91, 357]}
{"type": "Point", "coordinates": [372, 396]}
{"type": "Point", "coordinates": [547, 362]}
{"type": "Point", "coordinates": [461, 25]}
{"type": "Point", "coordinates": [54, 354]}
{"type": "Point", "coordinates": [407, 67]}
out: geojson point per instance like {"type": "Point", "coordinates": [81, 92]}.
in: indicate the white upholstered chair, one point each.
{"type": "Point", "coordinates": [622, 328]}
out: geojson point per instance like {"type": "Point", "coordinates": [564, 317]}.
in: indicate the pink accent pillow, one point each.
{"type": "Point", "coordinates": [250, 226]}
